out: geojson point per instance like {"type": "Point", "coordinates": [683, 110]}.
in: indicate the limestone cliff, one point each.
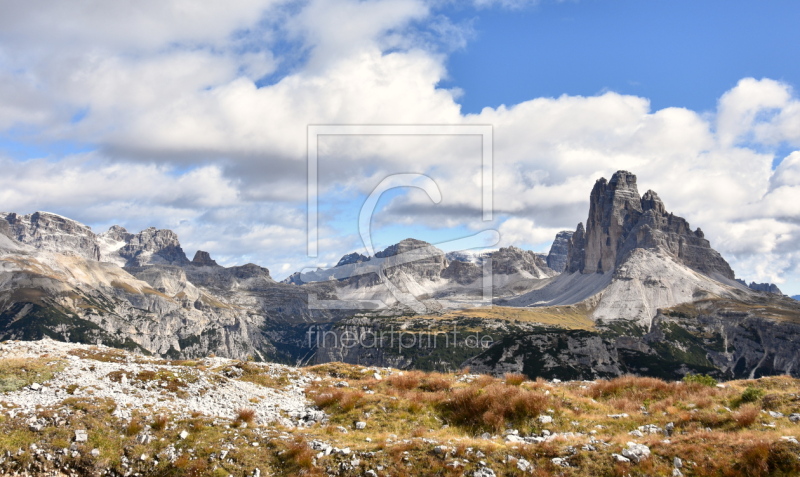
{"type": "Point", "coordinates": [621, 221]}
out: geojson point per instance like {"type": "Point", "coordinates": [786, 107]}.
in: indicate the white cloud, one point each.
{"type": "Point", "coordinates": [739, 108]}
{"type": "Point", "coordinates": [138, 25]}
{"type": "Point", "coordinates": [187, 136]}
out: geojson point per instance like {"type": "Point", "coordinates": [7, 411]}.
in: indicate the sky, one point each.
{"type": "Point", "coordinates": [193, 116]}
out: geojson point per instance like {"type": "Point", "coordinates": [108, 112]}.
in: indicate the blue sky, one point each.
{"type": "Point", "coordinates": [149, 113]}
{"type": "Point", "coordinates": [677, 53]}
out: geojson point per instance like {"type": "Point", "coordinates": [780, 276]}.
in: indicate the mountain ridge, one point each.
{"type": "Point", "coordinates": [633, 276]}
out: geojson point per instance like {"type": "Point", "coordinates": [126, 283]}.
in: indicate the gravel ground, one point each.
{"type": "Point", "coordinates": [205, 391]}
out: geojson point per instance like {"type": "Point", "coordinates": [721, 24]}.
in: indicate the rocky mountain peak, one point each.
{"type": "Point", "coordinates": [614, 207]}
{"type": "Point", "coordinates": [403, 246]}
{"type": "Point", "coordinates": [762, 287]}
{"type": "Point", "coordinates": [354, 257]}
{"type": "Point", "coordinates": [621, 221]}
{"type": "Point", "coordinates": [153, 246]}
{"type": "Point", "coordinates": [118, 233]}
{"type": "Point", "coordinates": [204, 259]}
{"type": "Point", "coordinates": [651, 201]}
{"type": "Point", "coordinates": [52, 232]}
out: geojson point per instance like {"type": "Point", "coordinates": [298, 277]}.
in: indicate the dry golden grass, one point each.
{"type": "Point", "coordinates": [481, 406]}
{"type": "Point", "coordinates": [515, 379]}
{"type": "Point", "coordinates": [16, 373]}
{"type": "Point", "coordinates": [569, 317]}
{"type": "Point", "coordinates": [409, 414]}
{"type": "Point", "coordinates": [746, 415]}
{"type": "Point", "coordinates": [246, 415]}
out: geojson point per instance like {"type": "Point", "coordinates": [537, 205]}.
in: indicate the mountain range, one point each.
{"type": "Point", "coordinates": [634, 290]}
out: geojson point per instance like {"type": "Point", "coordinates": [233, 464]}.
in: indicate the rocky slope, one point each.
{"type": "Point", "coordinates": [73, 410]}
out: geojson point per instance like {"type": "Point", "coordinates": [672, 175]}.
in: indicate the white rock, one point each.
{"type": "Point", "coordinates": [361, 425]}
{"type": "Point", "coordinates": [620, 458]}
{"type": "Point", "coordinates": [636, 452]}
{"type": "Point", "coordinates": [81, 436]}
{"type": "Point", "coordinates": [184, 434]}
{"type": "Point", "coordinates": [524, 465]}
{"type": "Point", "coordinates": [484, 472]}
{"type": "Point", "coordinates": [544, 419]}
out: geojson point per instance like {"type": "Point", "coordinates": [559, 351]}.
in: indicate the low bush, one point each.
{"type": "Point", "coordinates": [702, 379]}
{"type": "Point", "coordinates": [492, 407]}
{"type": "Point", "coordinates": [632, 387]}
{"type": "Point", "coordinates": [159, 423]}
{"type": "Point", "coordinates": [751, 394]}
{"type": "Point", "coordinates": [515, 379]}
{"type": "Point", "coordinates": [405, 380]}
{"type": "Point", "coordinates": [246, 415]}
{"type": "Point", "coordinates": [746, 415]}
{"type": "Point", "coordinates": [341, 399]}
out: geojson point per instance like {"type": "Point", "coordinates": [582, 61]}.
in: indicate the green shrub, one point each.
{"type": "Point", "coordinates": [703, 379]}
{"type": "Point", "coordinates": [751, 394]}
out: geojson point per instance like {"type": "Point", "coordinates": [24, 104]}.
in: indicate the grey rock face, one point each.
{"type": "Point", "coordinates": [153, 246]}
{"type": "Point", "coordinates": [621, 221]}
{"type": "Point", "coordinates": [462, 273]}
{"type": "Point", "coordinates": [54, 233]}
{"type": "Point", "coordinates": [118, 233]}
{"type": "Point", "coordinates": [426, 261]}
{"type": "Point", "coordinates": [204, 259]}
{"type": "Point", "coordinates": [5, 229]}
{"type": "Point", "coordinates": [511, 260]}
{"type": "Point", "coordinates": [557, 258]}
{"type": "Point", "coordinates": [726, 338]}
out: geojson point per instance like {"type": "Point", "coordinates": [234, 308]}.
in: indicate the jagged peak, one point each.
{"type": "Point", "coordinates": [204, 258]}
{"type": "Point", "coordinates": [351, 258]}
{"type": "Point", "coordinates": [651, 201]}
{"type": "Point", "coordinates": [116, 229]}
{"type": "Point", "coordinates": [624, 179]}
{"type": "Point", "coordinates": [621, 221]}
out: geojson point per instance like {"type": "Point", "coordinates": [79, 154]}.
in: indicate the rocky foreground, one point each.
{"type": "Point", "coordinates": [70, 409]}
